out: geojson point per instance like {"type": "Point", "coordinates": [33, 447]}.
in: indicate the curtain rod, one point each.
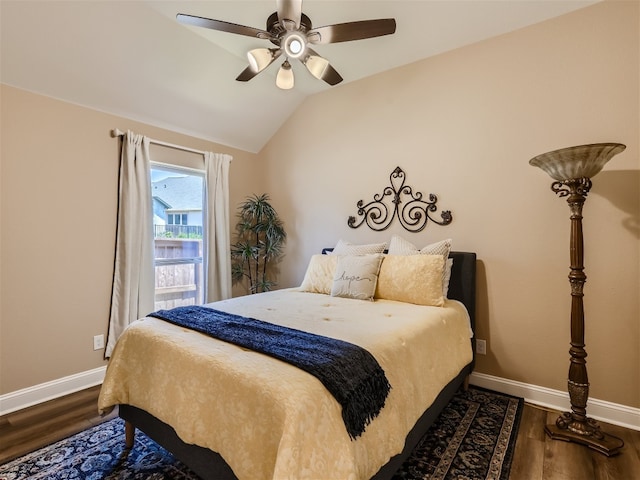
{"type": "Point", "coordinates": [118, 133]}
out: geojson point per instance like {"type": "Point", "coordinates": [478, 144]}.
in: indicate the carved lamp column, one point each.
{"type": "Point", "coordinates": [572, 169]}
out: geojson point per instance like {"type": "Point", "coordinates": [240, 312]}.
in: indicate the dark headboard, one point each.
{"type": "Point", "coordinates": [462, 285]}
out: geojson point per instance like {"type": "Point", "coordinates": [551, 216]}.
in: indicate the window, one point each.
{"type": "Point", "coordinates": [178, 199]}
{"type": "Point", "coordinates": [177, 219]}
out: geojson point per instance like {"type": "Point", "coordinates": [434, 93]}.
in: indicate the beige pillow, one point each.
{"type": "Point", "coordinates": [400, 246]}
{"type": "Point", "coordinates": [412, 279]}
{"type": "Point", "coordinates": [319, 275]}
{"type": "Point", "coordinates": [346, 248]}
{"type": "Point", "coordinates": [356, 276]}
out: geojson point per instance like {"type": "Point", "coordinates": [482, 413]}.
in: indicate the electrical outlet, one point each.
{"type": "Point", "coordinates": [481, 347]}
{"type": "Point", "coordinates": [98, 342]}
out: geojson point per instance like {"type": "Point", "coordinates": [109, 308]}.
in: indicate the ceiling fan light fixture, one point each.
{"type": "Point", "coordinates": [259, 59]}
{"type": "Point", "coordinates": [294, 44]}
{"type": "Point", "coordinates": [285, 80]}
{"type": "Point", "coordinates": [316, 65]}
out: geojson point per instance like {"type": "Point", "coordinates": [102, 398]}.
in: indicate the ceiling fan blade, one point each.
{"type": "Point", "coordinates": [222, 26]}
{"type": "Point", "coordinates": [247, 74]}
{"type": "Point", "coordinates": [289, 10]}
{"type": "Point", "coordinates": [321, 68]}
{"type": "Point", "coordinates": [346, 32]}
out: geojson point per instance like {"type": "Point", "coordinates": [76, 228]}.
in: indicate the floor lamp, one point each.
{"type": "Point", "coordinates": [572, 169]}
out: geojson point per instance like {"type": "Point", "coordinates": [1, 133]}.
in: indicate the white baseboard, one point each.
{"type": "Point", "coordinates": [601, 410]}
{"type": "Point", "coordinates": [604, 411]}
{"type": "Point", "coordinates": [43, 392]}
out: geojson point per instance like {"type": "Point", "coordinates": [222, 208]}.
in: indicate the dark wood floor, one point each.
{"type": "Point", "coordinates": [536, 456]}
{"type": "Point", "coordinates": [27, 430]}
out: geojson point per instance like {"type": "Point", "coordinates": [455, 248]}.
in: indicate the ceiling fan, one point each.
{"type": "Point", "coordinates": [291, 32]}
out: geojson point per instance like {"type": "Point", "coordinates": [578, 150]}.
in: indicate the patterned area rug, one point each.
{"type": "Point", "coordinates": [472, 439]}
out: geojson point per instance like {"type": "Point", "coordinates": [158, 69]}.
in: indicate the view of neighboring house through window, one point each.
{"type": "Point", "coordinates": [178, 199]}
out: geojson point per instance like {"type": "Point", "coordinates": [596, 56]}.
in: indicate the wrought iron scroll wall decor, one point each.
{"type": "Point", "coordinates": [413, 215]}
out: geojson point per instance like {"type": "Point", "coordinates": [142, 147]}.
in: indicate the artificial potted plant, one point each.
{"type": "Point", "coordinates": [259, 243]}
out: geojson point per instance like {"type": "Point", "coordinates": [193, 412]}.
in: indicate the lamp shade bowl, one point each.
{"type": "Point", "coordinates": [581, 161]}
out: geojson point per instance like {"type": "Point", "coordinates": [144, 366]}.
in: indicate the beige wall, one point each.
{"type": "Point", "coordinates": [59, 175]}
{"type": "Point", "coordinates": [463, 126]}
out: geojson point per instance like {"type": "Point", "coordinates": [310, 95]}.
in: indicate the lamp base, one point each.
{"type": "Point", "coordinates": [587, 433]}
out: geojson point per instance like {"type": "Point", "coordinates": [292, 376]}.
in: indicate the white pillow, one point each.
{"type": "Point", "coordinates": [346, 248]}
{"type": "Point", "coordinates": [319, 275]}
{"type": "Point", "coordinates": [400, 246]}
{"type": "Point", "coordinates": [446, 277]}
{"type": "Point", "coordinates": [356, 276]}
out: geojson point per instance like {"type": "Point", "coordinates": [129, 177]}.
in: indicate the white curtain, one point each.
{"type": "Point", "coordinates": [217, 251]}
{"type": "Point", "coordinates": [133, 291]}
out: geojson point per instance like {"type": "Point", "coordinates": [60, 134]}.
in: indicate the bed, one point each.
{"type": "Point", "coordinates": [251, 416]}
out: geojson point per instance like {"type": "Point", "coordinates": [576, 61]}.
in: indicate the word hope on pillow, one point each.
{"type": "Point", "coordinates": [356, 276]}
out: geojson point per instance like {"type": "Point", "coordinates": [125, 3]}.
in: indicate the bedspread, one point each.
{"type": "Point", "coordinates": [349, 372]}
{"type": "Point", "coordinates": [270, 420]}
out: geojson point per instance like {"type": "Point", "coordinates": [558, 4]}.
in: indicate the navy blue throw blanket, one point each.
{"type": "Point", "coordinates": [349, 372]}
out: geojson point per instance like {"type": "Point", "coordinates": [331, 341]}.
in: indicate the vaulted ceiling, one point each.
{"type": "Point", "coordinates": [133, 59]}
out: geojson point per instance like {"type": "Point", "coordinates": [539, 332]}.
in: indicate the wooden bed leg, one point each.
{"type": "Point", "coordinates": [465, 385]}
{"type": "Point", "coordinates": [129, 434]}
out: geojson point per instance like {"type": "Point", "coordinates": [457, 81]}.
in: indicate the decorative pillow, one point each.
{"type": "Point", "coordinates": [412, 279]}
{"type": "Point", "coordinates": [400, 246]}
{"type": "Point", "coordinates": [356, 276]}
{"type": "Point", "coordinates": [346, 248]}
{"type": "Point", "coordinates": [319, 275]}
{"type": "Point", "coordinates": [446, 277]}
